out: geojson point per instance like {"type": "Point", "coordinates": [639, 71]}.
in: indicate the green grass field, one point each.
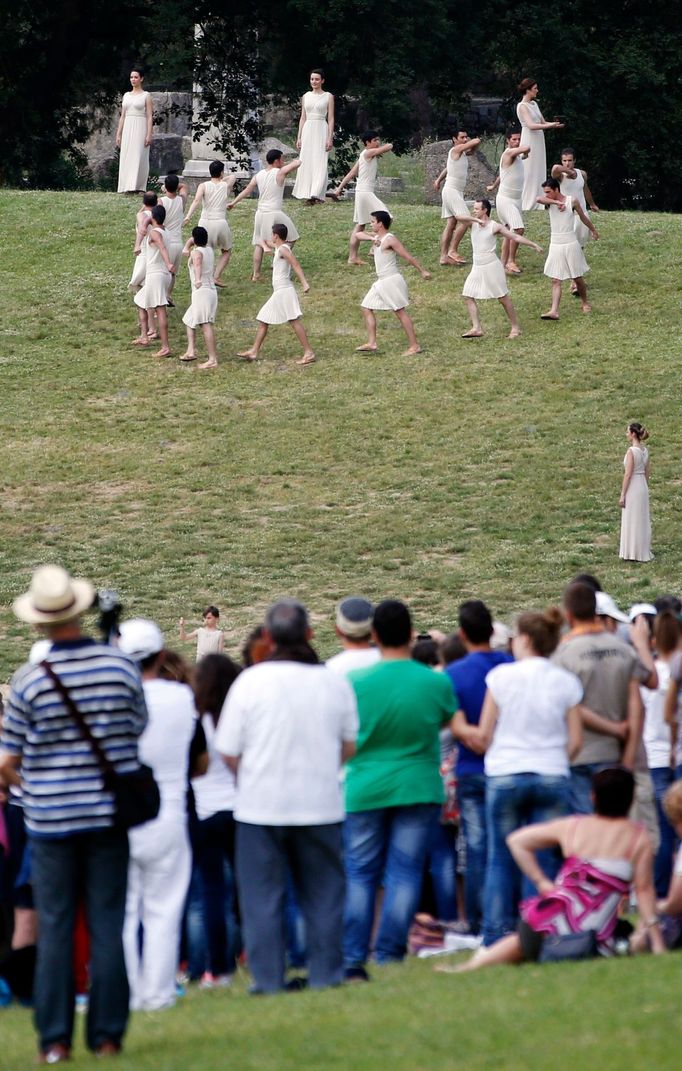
{"type": "Point", "coordinates": [488, 468]}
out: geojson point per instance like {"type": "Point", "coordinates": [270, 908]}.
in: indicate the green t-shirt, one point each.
{"type": "Point", "coordinates": [402, 706]}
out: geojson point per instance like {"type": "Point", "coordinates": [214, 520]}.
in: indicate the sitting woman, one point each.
{"type": "Point", "coordinates": [604, 854]}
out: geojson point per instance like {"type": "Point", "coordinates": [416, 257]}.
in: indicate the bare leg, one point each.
{"type": "Point", "coordinates": [408, 328]}
{"type": "Point", "coordinates": [508, 307]}
{"type": "Point", "coordinates": [25, 927]}
{"type": "Point", "coordinates": [511, 264]}
{"type": "Point", "coordinates": [506, 950]}
{"type": "Point", "coordinates": [371, 325]}
{"type": "Point", "coordinates": [257, 262]}
{"type": "Point", "coordinates": [581, 290]}
{"type": "Point", "coordinates": [162, 317]}
{"type": "Point", "coordinates": [190, 353]}
{"type": "Point", "coordinates": [445, 240]}
{"type": "Point", "coordinates": [299, 331]}
{"type": "Point", "coordinates": [460, 231]}
{"type": "Point", "coordinates": [209, 339]}
{"type": "Point", "coordinates": [476, 329]}
{"type": "Point", "coordinates": [504, 257]}
{"type": "Point", "coordinates": [354, 245]}
{"type": "Point", "coordinates": [224, 260]}
{"type": "Point", "coordinates": [143, 338]}
{"type": "Point", "coordinates": [250, 355]}
{"type": "Point", "coordinates": [553, 313]}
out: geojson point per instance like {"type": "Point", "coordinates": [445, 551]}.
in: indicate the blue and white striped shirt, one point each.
{"type": "Point", "coordinates": [62, 780]}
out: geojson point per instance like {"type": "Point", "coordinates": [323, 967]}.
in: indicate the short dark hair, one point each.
{"type": "Point", "coordinates": [211, 610]}
{"type": "Point", "coordinates": [476, 621]}
{"type": "Point", "coordinates": [272, 155]}
{"type": "Point", "coordinates": [318, 70]}
{"type": "Point", "coordinates": [392, 623]}
{"type": "Point", "coordinates": [171, 182]}
{"type": "Point", "coordinates": [568, 151]}
{"type": "Point", "coordinates": [213, 676]}
{"type": "Point", "coordinates": [580, 601]}
{"type": "Point", "coordinates": [369, 135]}
{"type": "Point", "coordinates": [485, 202]}
{"type": "Point", "coordinates": [552, 183]}
{"type": "Point", "coordinates": [511, 131]}
{"type": "Point", "coordinates": [159, 214]}
{"type": "Point", "coordinates": [613, 790]}
{"type": "Point", "coordinates": [149, 199]}
{"type": "Point", "coordinates": [216, 168]}
{"type": "Point", "coordinates": [426, 652]}
{"type": "Point", "coordinates": [668, 602]}
{"type": "Point", "coordinates": [452, 649]}
{"type": "Point", "coordinates": [287, 622]}
{"type": "Point", "coordinates": [382, 217]}
{"type": "Point", "coordinates": [200, 236]}
{"type": "Point", "coordinates": [281, 230]}
{"type": "Point", "coordinates": [587, 578]}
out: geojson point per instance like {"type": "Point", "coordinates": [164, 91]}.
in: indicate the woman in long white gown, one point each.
{"type": "Point", "coordinates": [314, 141]}
{"type": "Point", "coordinates": [635, 524]}
{"type": "Point", "coordinates": [134, 136]}
{"type": "Point", "coordinates": [533, 126]}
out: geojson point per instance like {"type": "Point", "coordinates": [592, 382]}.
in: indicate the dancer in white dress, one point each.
{"type": "Point", "coordinates": [134, 136]}
{"type": "Point", "coordinates": [153, 297]}
{"type": "Point", "coordinates": [314, 141]}
{"type": "Point", "coordinates": [486, 280]}
{"type": "Point", "coordinates": [149, 199]}
{"type": "Point", "coordinates": [283, 306]}
{"type": "Point", "coordinates": [509, 185]}
{"type": "Point", "coordinates": [389, 292]}
{"type": "Point", "coordinates": [366, 200]}
{"type": "Point", "coordinates": [565, 258]}
{"type": "Point", "coordinates": [212, 196]}
{"type": "Point", "coordinates": [270, 186]}
{"type": "Point", "coordinates": [201, 312]}
{"type": "Point", "coordinates": [455, 174]}
{"type": "Point", "coordinates": [174, 202]}
{"type": "Point", "coordinates": [635, 524]}
{"type": "Point", "coordinates": [573, 183]}
{"type": "Point", "coordinates": [533, 126]}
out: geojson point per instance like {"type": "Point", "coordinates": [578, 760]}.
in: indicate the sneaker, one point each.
{"type": "Point", "coordinates": [356, 974]}
{"type": "Point", "coordinates": [55, 1054]}
{"type": "Point", "coordinates": [108, 1048]}
{"type": "Point", "coordinates": [215, 981]}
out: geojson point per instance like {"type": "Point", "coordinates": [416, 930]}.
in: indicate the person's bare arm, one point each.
{"type": "Point", "coordinates": [627, 476]}
{"type": "Point", "coordinates": [672, 904]}
{"type": "Point", "coordinates": [119, 128]}
{"type": "Point", "coordinates": [199, 765]}
{"type": "Point", "coordinates": [466, 147]}
{"type": "Point", "coordinates": [400, 250]}
{"type": "Point", "coordinates": [524, 843]}
{"type": "Point", "coordinates": [141, 230]}
{"type": "Point", "coordinates": [330, 124]}
{"type": "Point", "coordinates": [348, 178]}
{"type": "Point", "coordinates": [246, 192]}
{"type": "Point", "coordinates": [156, 239]}
{"type": "Point", "coordinates": [598, 724]}
{"type": "Point", "coordinates": [232, 762]}
{"type": "Point", "coordinates": [198, 261]}
{"type": "Point", "coordinates": [286, 169]}
{"type": "Point", "coordinates": [643, 883]}
{"type": "Point", "coordinates": [221, 644]}
{"type": "Point", "coordinates": [379, 151]}
{"type": "Point", "coordinates": [186, 636]}
{"type": "Point", "coordinates": [542, 124]}
{"type": "Point", "coordinates": [493, 185]}
{"type": "Point", "coordinates": [574, 724]}
{"type": "Point", "coordinates": [441, 178]}
{"type": "Point", "coordinates": [348, 749]}
{"type": "Point", "coordinates": [301, 123]}
{"type": "Point", "coordinates": [588, 195]}
{"type": "Point", "coordinates": [519, 238]}
{"type": "Point", "coordinates": [188, 246]}
{"type": "Point", "coordinates": [481, 736]}
{"type": "Point", "coordinates": [288, 255]}
{"type": "Point", "coordinates": [579, 211]}
{"type": "Point", "coordinates": [198, 198]}
{"type": "Point", "coordinates": [549, 201]}
{"type": "Point", "coordinates": [639, 637]}
{"type": "Point", "coordinates": [149, 110]}
{"type": "Point", "coordinates": [636, 723]}
{"type": "Point", "coordinates": [9, 768]}
{"type": "Point", "coordinates": [670, 705]}
{"type": "Point", "coordinates": [559, 172]}
{"type": "Point", "coordinates": [463, 730]}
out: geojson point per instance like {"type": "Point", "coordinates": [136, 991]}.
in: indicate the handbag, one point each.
{"type": "Point", "coordinates": [136, 794]}
{"type": "Point", "coordinates": [559, 947]}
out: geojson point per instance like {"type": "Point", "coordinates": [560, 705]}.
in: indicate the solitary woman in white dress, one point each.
{"type": "Point", "coordinates": [134, 136]}
{"type": "Point", "coordinates": [635, 524]}
{"type": "Point", "coordinates": [533, 127]}
{"type": "Point", "coordinates": [314, 141]}
{"type": "Point", "coordinates": [487, 279]}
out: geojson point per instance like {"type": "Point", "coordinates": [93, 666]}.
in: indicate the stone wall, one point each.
{"type": "Point", "coordinates": [481, 173]}
{"type": "Point", "coordinates": [172, 130]}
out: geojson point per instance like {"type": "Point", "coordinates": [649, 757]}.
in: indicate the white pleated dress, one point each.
{"type": "Point", "coordinates": [140, 265]}
{"type": "Point", "coordinates": [157, 280]}
{"type": "Point", "coordinates": [283, 305]}
{"type": "Point", "coordinates": [311, 177]}
{"type": "Point", "coordinates": [133, 167]}
{"type": "Point", "coordinates": [204, 298]}
{"type": "Point", "coordinates": [269, 211]}
{"type": "Point", "coordinates": [487, 278]}
{"type": "Point", "coordinates": [509, 195]}
{"type": "Point", "coordinates": [175, 212]}
{"type": "Point", "coordinates": [452, 194]}
{"type": "Point", "coordinates": [635, 521]}
{"type": "Point", "coordinates": [575, 188]}
{"type": "Point", "coordinates": [565, 258]}
{"type": "Point", "coordinates": [213, 214]}
{"type": "Point", "coordinates": [389, 292]}
{"type": "Point", "coordinates": [366, 201]}
{"type": "Point", "coordinates": [535, 165]}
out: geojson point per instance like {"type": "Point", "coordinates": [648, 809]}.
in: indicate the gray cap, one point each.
{"type": "Point", "coordinates": [354, 617]}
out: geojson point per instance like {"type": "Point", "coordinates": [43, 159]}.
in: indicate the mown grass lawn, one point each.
{"type": "Point", "coordinates": [488, 468]}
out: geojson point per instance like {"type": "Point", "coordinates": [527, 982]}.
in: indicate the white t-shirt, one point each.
{"type": "Point", "coordinates": [165, 742]}
{"type": "Point", "coordinates": [656, 734]}
{"type": "Point", "coordinates": [287, 721]}
{"type": "Point", "coordinates": [353, 658]}
{"type": "Point", "coordinates": [531, 735]}
{"type": "Point", "coordinates": [216, 790]}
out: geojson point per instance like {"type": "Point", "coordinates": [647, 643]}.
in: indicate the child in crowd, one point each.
{"type": "Point", "coordinates": [202, 311]}
{"type": "Point", "coordinates": [210, 639]}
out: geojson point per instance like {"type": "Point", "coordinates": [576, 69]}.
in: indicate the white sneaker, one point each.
{"type": "Point", "coordinates": [215, 981]}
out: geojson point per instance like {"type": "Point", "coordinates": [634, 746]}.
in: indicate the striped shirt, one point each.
{"type": "Point", "coordinates": [62, 781]}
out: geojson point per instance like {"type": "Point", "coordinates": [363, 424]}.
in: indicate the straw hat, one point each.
{"type": "Point", "coordinates": [53, 597]}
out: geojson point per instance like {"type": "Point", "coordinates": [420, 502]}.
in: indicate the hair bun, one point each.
{"type": "Point", "coordinates": [554, 617]}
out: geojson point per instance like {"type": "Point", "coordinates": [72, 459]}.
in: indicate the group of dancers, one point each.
{"type": "Point", "coordinates": [522, 183]}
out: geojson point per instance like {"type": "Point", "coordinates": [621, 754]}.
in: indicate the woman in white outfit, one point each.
{"type": "Point", "coordinates": [455, 174]}
{"type": "Point", "coordinates": [635, 526]}
{"type": "Point", "coordinates": [533, 126]}
{"type": "Point", "coordinates": [565, 258]}
{"type": "Point", "coordinates": [270, 186]}
{"type": "Point", "coordinates": [314, 141]}
{"type": "Point", "coordinates": [366, 200]}
{"type": "Point", "coordinates": [160, 863]}
{"type": "Point", "coordinates": [134, 136]}
{"type": "Point", "coordinates": [212, 196]}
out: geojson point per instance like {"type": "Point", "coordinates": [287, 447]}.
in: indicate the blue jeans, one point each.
{"type": "Point", "coordinates": [94, 866]}
{"type": "Point", "coordinates": [214, 846]}
{"type": "Point", "coordinates": [662, 778]}
{"type": "Point", "coordinates": [441, 865]}
{"type": "Point", "coordinates": [387, 844]}
{"type": "Point", "coordinates": [511, 802]}
{"type": "Point", "coordinates": [471, 796]}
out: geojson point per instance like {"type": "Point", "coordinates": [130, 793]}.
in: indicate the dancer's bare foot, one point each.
{"type": "Point", "coordinates": [512, 268]}
{"type": "Point", "coordinates": [248, 355]}
{"type": "Point", "coordinates": [586, 307]}
{"type": "Point", "coordinates": [472, 334]}
{"type": "Point", "coordinates": [217, 282]}
{"type": "Point", "coordinates": [454, 258]}
{"type": "Point", "coordinates": [574, 289]}
{"type": "Point", "coordinates": [207, 364]}
{"type": "Point", "coordinates": [163, 352]}
{"type": "Point", "coordinates": [549, 316]}
{"type": "Point", "coordinates": [445, 262]}
{"type": "Point", "coordinates": [307, 358]}
{"type": "Point", "coordinates": [255, 278]}
{"type": "Point", "coordinates": [187, 357]}
{"type": "Point", "coordinates": [143, 341]}
{"type": "Point", "coordinates": [367, 348]}
{"type": "Point", "coordinates": [151, 335]}
{"type": "Point", "coordinates": [514, 333]}
{"type": "Point", "coordinates": [411, 351]}
{"type": "Point", "coordinates": [356, 260]}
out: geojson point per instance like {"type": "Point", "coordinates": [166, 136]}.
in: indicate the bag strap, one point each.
{"type": "Point", "coordinates": [108, 770]}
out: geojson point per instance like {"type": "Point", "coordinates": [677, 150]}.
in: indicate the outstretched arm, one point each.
{"type": "Point", "coordinates": [186, 250]}
{"type": "Point", "coordinates": [559, 172]}
{"type": "Point", "coordinates": [286, 169]}
{"type": "Point", "coordinates": [379, 151]}
{"type": "Point", "coordinates": [466, 147]}
{"type": "Point", "coordinates": [541, 125]}
{"type": "Point", "coordinates": [401, 251]}
{"type": "Point", "coordinates": [506, 233]}
{"type": "Point", "coordinates": [246, 192]}
{"type": "Point", "coordinates": [349, 177]}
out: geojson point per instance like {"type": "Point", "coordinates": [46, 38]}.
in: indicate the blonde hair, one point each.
{"type": "Point", "coordinates": [672, 803]}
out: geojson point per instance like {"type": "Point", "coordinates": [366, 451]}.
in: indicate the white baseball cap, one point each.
{"type": "Point", "coordinates": [642, 608]}
{"type": "Point", "coordinates": [606, 607]}
{"type": "Point", "coordinates": [140, 638]}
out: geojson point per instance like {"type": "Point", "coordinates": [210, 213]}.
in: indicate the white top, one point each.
{"type": "Point", "coordinates": [511, 179]}
{"type": "Point", "coordinates": [575, 188]}
{"type": "Point", "coordinates": [155, 262]}
{"type": "Point", "coordinates": [457, 170]}
{"type": "Point", "coordinates": [281, 269]}
{"type": "Point", "coordinates": [656, 730]}
{"type": "Point", "coordinates": [165, 742]}
{"type": "Point", "coordinates": [134, 105]}
{"type": "Point", "coordinates": [270, 193]}
{"type": "Point", "coordinates": [367, 173]}
{"type": "Point", "coordinates": [561, 223]}
{"type": "Point", "coordinates": [484, 242]}
{"type": "Point", "coordinates": [216, 790]}
{"type": "Point", "coordinates": [316, 106]}
{"type": "Point", "coordinates": [175, 211]}
{"type": "Point", "coordinates": [640, 456]}
{"type": "Point", "coordinates": [354, 658]}
{"type": "Point", "coordinates": [385, 260]}
{"type": "Point", "coordinates": [287, 721]}
{"type": "Point", "coordinates": [215, 200]}
{"type": "Point", "coordinates": [208, 639]}
{"type": "Point", "coordinates": [531, 735]}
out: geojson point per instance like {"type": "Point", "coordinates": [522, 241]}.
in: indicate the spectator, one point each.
{"type": "Point", "coordinates": [354, 630]}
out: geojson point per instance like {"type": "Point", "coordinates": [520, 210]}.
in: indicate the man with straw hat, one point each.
{"type": "Point", "coordinates": [75, 848]}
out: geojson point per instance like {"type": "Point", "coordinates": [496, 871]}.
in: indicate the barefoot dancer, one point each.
{"type": "Point", "coordinates": [508, 201]}
{"type": "Point", "coordinates": [149, 199]}
{"type": "Point", "coordinates": [574, 184]}
{"type": "Point", "coordinates": [212, 196]}
{"type": "Point", "coordinates": [283, 306]}
{"type": "Point", "coordinates": [270, 186]}
{"type": "Point", "coordinates": [366, 201]}
{"type": "Point", "coordinates": [565, 258]}
{"type": "Point", "coordinates": [455, 175]}
{"type": "Point", "coordinates": [174, 203]}
{"type": "Point", "coordinates": [201, 312]}
{"type": "Point", "coordinates": [389, 292]}
{"type": "Point", "coordinates": [486, 280]}
{"type": "Point", "coordinates": [153, 297]}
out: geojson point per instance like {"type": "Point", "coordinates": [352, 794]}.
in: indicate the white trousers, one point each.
{"type": "Point", "coordinates": [158, 879]}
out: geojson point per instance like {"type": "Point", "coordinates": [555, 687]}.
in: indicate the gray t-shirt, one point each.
{"type": "Point", "coordinates": [605, 665]}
